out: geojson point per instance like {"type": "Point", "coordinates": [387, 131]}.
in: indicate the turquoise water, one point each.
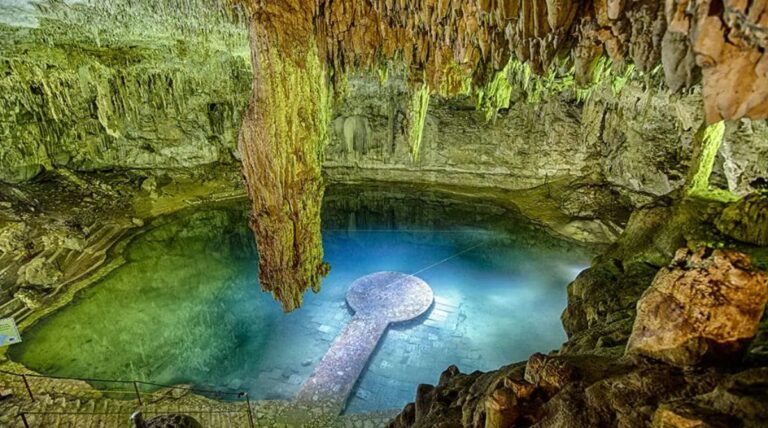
{"type": "Point", "coordinates": [186, 307]}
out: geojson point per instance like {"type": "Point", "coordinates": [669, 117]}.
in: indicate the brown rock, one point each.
{"type": "Point", "coordinates": [549, 373]}
{"type": "Point", "coordinates": [679, 61]}
{"type": "Point", "coordinates": [668, 418]}
{"type": "Point", "coordinates": [423, 400]}
{"type": "Point", "coordinates": [688, 414]}
{"type": "Point", "coordinates": [705, 307]}
{"type": "Point", "coordinates": [729, 40]}
{"type": "Point", "coordinates": [522, 389]}
{"type": "Point", "coordinates": [501, 409]}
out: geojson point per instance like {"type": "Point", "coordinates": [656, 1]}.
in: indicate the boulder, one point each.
{"type": "Point", "coordinates": [705, 307]}
{"type": "Point", "coordinates": [31, 298]}
{"type": "Point", "coordinates": [501, 408]}
{"type": "Point", "coordinates": [40, 273]}
{"type": "Point", "coordinates": [551, 374]}
{"type": "Point", "coordinates": [747, 219]}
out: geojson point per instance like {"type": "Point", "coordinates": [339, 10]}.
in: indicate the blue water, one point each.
{"type": "Point", "coordinates": [186, 307]}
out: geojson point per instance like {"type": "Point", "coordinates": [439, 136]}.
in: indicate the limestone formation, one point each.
{"type": "Point", "coordinates": [747, 219]}
{"type": "Point", "coordinates": [608, 393]}
{"type": "Point", "coordinates": [728, 38]}
{"type": "Point", "coordinates": [501, 408]}
{"type": "Point", "coordinates": [445, 42]}
{"type": "Point", "coordinates": [703, 308]}
{"type": "Point", "coordinates": [40, 273]}
{"type": "Point", "coordinates": [101, 85]}
{"type": "Point", "coordinates": [453, 48]}
{"type": "Point", "coordinates": [281, 143]}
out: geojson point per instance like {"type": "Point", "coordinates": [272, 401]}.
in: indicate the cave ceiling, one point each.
{"type": "Point", "coordinates": [444, 41]}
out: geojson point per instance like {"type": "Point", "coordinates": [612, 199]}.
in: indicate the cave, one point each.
{"type": "Point", "coordinates": [383, 213]}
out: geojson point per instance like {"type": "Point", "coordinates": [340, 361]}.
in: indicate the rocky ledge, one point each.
{"type": "Point", "coordinates": [659, 335]}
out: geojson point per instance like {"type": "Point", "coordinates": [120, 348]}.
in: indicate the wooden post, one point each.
{"type": "Point", "coordinates": [29, 390]}
{"type": "Point", "coordinates": [138, 395]}
{"type": "Point", "coordinates": [24, 420]}
{"type": "Point", "coordinates": [250, 413]}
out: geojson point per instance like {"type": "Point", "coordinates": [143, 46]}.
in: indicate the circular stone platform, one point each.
{"type": "Point", "coordinates": [394, 296]}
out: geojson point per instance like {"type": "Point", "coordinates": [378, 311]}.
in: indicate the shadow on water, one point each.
{"type": "Point", "coordinates": [186, 307]}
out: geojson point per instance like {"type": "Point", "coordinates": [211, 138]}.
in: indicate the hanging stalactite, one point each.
{"type": "Point", "coordinates": [281, 143]}
{"type": "Point", "coordinates": [448, 47]}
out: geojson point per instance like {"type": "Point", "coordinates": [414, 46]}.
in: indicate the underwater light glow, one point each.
{"type": "Point", "coordinates": [186, 308]}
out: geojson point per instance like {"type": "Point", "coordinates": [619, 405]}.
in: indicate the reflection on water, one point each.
{"type": "Point", "coordinates": [186, 307]}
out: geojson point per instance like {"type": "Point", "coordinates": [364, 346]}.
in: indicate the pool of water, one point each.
{"type": "Point", "coordinates": [186, 307]}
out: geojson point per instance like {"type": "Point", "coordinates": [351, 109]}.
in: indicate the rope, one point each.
{"type": "Point", "coordinates": [452, 256]}
{"type": "Point", "coordinates": [95, 380]}
{"type": "Point", "coordinates": [466, 250]}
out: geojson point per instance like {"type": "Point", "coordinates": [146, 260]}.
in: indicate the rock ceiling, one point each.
{"type": "Point", "coordinates": [299, 46]}
{"type": "Point", "coordinates": [722, 40]}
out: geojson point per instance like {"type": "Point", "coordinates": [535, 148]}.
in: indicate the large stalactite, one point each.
{"type": "Point", "coordinates": [450, 47]}
{"type": "Point", "coordinates": [281, 144]}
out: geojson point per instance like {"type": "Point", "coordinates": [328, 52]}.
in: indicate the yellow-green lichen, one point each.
{"type": "Point", "coordinates": [496, 95]}
{"type": "Point", "coordinates": [707, 142]}
{"type": "Point", "coordinates": [417, 118]}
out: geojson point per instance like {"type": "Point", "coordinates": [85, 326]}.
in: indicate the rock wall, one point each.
{"type": "Point", "coordinates": [637, 140]}
{"type": "Point", "coordinates": [120, 85]}
{"type": "Point", "coordinates": [88, 88]}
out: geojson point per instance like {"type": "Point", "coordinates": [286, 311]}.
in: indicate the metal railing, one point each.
{"type": "Point", "coordinates": [206, 418]}
{"type": "Point", "coordinates": [71, 387]}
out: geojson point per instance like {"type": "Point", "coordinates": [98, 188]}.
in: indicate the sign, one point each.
{"type": "Point", "coordinates": [9, 333]}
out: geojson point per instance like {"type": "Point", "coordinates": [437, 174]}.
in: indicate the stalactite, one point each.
{"type": "Point", "coordinates": [281, 143]}
{"type": "Point", "coordinates": [417, 116]}
{"type": "Point", "coordinates": [495, 95]}
{"type": "Point", "coordinates": [706, 144]}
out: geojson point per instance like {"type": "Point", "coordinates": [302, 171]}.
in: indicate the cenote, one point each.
{"type": "Point", "coordinates": [186, 307]}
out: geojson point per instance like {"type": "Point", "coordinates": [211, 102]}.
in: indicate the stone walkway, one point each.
{"type": "Point", "coordinates": [378, 299]}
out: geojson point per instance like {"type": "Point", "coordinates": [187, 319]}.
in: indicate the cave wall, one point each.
{"type": "Point", "coordinates": [637, 141]}
{"type": "Point", "coordinates": [120, 85]}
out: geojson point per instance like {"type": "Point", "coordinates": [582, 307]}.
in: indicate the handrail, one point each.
{"type": "Point", "coordinates": [22, 415]}
{"type": "Point", "coordinates": [135, 383]}
{"type": "Point", "coordinates": [169, 412]}
{"type": "Point", "coordinates": [85, 379]}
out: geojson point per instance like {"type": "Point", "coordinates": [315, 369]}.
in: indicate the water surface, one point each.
{"type": "Point", "coordinates": [186, 307]}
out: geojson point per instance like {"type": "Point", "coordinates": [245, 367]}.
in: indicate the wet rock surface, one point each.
{"type": "Point", "coordinates": [747, 220]}
{"type": "Point", "coordinates": [591, 381]}
{"type": "Point", "coordinates": [705, 306]}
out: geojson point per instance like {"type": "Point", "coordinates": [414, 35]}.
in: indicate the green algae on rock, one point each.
{"type": "Point", "coordinates": [707, 142]}
{"type": "Point", "coordinates": [282, 142]}
{"type": "Point", "coordinates": [747, 219]}
{"type": "Point", "coordinates": [417, 117]}
{"type": "Point", "coordinates": [100, 86]}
